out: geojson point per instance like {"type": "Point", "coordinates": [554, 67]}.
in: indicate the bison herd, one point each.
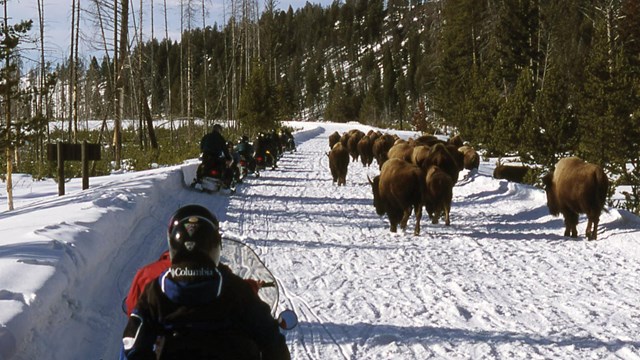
{"type": "Point", "coordinates": [420, 173]}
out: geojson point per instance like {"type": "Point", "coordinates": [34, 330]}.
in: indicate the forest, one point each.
{"type": "Point", "coordinates": [534, 79]}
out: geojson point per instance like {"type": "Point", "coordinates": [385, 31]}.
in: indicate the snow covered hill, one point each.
{"type": "Point", "coordinates": [500, 282]}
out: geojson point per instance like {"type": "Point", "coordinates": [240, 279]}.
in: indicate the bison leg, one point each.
{"type": "Point", "coordinates": [394, 220]}
{"type": "Point", "coordinates": [416, 231]}
{"type": "Point", "coordinates": [435, 217]}
{"type": "Point", "coordinates": [405, 219]}
{"type": "Point", "coordinates": [570, 224]}
{"type": "Point", "coordinates": [447, 210]}
{"type": "Point", "coordinates": [592, 228]}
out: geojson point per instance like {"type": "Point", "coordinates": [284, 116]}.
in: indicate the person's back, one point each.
{"type": "Point", "coordinates": [211, 319]}
{"type": "Point", "coordinates": [244, 148]}
{"type": "Point", "coordinates": [199, 307]}
{"type": "Point", "coordinates": [214, 145]}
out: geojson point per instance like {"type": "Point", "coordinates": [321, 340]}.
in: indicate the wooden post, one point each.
{"type": "Point", "coordinates": [60, 157]}
{"type": "Point", "coordinates": [85, 165]}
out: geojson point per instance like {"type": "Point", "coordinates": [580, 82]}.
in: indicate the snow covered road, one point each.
{"type": "Point", "coordinates": [500, 283]}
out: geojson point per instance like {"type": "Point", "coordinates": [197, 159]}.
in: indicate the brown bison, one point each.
{"type": "Point", "coordinates": [471, 158]}
{"type": "Point", "coordinates": [380, 148]}
{"type": "Point", "coordinates": [365, 149]}
{"type": "Point", "coordinates": [419, 155]}
{"type": "Point", "coordinates": [577, 187]}
{"type": "Point", "coordinates": [344, 139]}
{"type": "Point", "coordinates": [456, 141]}
{"type": "Point", "coordinates": [401, 150]}
{"type": "Point", "coordinates": [339, 163]}
{"type": "Point", "coordinates": [428, 140]}
{"type": "Point", "coordinates": [352, 143]}
{"type": "Point", "coordinates": [447, 158]}
{"type": "Point", "coordinates": [397, 191]}
{"type": "Point", "coordinates": [333, 139]}
{"type": "Point", "coordinates": [438, 195]}
{"type": "Point", "coordinates": [512, 173]}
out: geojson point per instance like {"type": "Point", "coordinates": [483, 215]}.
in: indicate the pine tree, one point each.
{"type": "Point", "coordinates": [256, 110]}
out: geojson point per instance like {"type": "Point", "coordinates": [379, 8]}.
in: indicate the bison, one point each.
{"type": "Point", "coordinates": [419, 155]}
{"type": "Point", "coordinates": [397, 191]}
{"type": "Point", "coordinates": [339, 163]}
{"type": "Point", "coordinates": [401, 150]}
{"type": "Point", "coordinates": [512, 173]}
{"type": "Point", "coordinates": [352, 143]}
{"type": "Point", "coordinates": [380, 148]}
{"type": "Point", "coordinates": [576, 187]}
{"type": "Point", "coordinates": [365, 149]}
{"type": "Point", "coordinates": [333, 139]}
{"type": "Point", "coordinates": [447, 158]}
{"type": "Point", "coordinates": [471, 157]}
{"type": "Point", "coordinates": [438, 195]}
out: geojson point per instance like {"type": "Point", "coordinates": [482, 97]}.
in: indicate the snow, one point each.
{"type": "Point", "coordinates": [500, 282]}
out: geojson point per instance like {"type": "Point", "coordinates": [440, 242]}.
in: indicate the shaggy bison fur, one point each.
{"type": "Point", "coordinates": [397, 191]}
{"type": "Point", "coordinates": [339, 163]}
{"type": "Point", "coordinates": [438, 195]}
{"type": "Point", "coordinates": [513, 173]}
{"type": "Point", "coordinates": [577, 187]}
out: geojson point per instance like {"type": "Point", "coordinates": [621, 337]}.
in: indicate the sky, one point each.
{"type": "Point", "coordinates": [57, 14]}
{"type": "Point", "coordinates": [500, 283]}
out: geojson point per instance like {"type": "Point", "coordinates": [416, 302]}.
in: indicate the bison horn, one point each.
{"type": "Point", "coordinates": [368, 178]}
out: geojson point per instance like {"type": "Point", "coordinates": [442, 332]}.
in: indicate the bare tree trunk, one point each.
{"type": "Point", "coordinates": [182, 58]}
{"type": "Point", "coordinates": [142, 99]}
{"type": "Point", "coordinates": [153, 57]}
{"type": "Point", "coordinates": [75, 72]}
{"type": "Point", "coordinates": [72, 134]}
{"type": "Point", "coordinates": [206, 64]}
{"type": "Point", "coordinates": [189, 68]}
{"type": "Point", "coordinates": [122, 51]}
{"type": "Point", "coordinates": [166, 36]}
{"type": "Point", "coordinates": [117, 137]}
{"type": "Point", "coordinates": [7, 117]}
{"type": "Point", "coordinates": [41, 86]}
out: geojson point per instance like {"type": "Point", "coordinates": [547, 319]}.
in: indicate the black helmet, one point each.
{"type": "Point", "coordinates": [194, 244]}
{"type": "Point", "coordinates": [190, 210]}
{"type": "Point", "coordinates": [217, 127]}
{"type": "Point", "coordinates": [245, 138]}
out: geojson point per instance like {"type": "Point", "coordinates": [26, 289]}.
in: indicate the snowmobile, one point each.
{"type": "Point", "coordinates": [265, 160]}
{"type": "Point", "coordinates": [213, 175]}
{"type": "Point", "coordinates": [246, 161]}
{"type": "Point", "coordinates": [247, 166]}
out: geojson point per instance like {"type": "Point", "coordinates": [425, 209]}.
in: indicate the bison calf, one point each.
{"type": "Point", "coordinates": [577, 187]}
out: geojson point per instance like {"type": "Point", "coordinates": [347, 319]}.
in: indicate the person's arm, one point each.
{"type": "Point", "coordinates": [140, 333]}
{"type": "Point", "coordinates": [272, 343]}
{"type": "Point", "coordinates": [143, 277]}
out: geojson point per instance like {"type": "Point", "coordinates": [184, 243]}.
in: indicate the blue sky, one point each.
{"type": "Point", "coordinates": [57, 15]}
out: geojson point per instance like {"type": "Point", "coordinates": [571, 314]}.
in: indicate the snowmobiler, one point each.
{"type": "Point", "coordinates": [265, 151]}
{"type": "Point", "coordinates": [198, 308]}
{"type": "Point", "coordinates": [247, 163]}
{"type": "Point", "coordinates": [287, 139]}
{"type": "Point", "coordinates": [215, 170]}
